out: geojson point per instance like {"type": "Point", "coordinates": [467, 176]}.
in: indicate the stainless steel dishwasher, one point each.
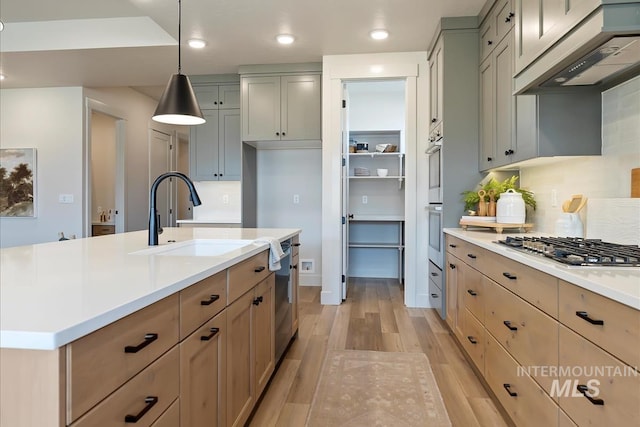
{"type": "Point", "coordinates": [283, 302]}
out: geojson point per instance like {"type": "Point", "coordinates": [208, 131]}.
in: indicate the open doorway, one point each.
{"type": "Point", "coordinates": [104, 196]}
{"type": "Point", "coordinates": [373, 202]}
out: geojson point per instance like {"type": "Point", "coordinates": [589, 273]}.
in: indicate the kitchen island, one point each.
{"type": "Point", "coordinates": [558, 345]}
{"type": "Point", "coordinates": [87, 324]}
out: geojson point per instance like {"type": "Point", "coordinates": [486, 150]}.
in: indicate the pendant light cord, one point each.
{"type": "Point", "coordinates": [179, 36]}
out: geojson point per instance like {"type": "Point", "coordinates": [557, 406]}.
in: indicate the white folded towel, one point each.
{"type": "Point", "coordinates": [275, 252]}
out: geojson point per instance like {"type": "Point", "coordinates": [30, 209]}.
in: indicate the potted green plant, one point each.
{"type": "Point", "coordinates": [471, 198]}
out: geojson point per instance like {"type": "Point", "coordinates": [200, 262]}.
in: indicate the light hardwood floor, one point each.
{"type": "Point", "coordinates": [372, 318]}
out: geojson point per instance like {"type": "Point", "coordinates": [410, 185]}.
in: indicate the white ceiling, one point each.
{"type": "Point", "coordinates": [102, 43]}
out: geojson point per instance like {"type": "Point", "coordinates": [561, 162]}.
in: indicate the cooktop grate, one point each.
{"type": "Point", "coordinates": [578, 251]}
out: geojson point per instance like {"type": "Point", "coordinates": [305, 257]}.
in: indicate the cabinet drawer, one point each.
{"type": "Point", "coordinates": [473, 292]}
{"type": "Point", "coordinates": [435, 274]}
{"type": "Point", "coordinates": [531, 406]}
{"type": "Point", "coordinates": [146, 396]}
{"type": "Point", "coordinates": [171, 417]}
{"type": "Point", "coordinates": [529, 335]}
{"type": "Point", "coordinates": [201, 302]}
{"type": "Point", "coordinates": [102, 230]}
{"type": "Point", "coordinates": [487, 38]}
{"type": "Point", "coordinates": [535, 287]}
{"type": "Point", "coordinates": [620, 332]}
{"type": "Point", "coordinates": [617, 385]}
{"type": "Point", "coordinates": [455, 246]}
{"type": "Point", "coordinates": [245, 275]}
{"type": "Point", "coordinates": [99, 363]}
{"type": "Point", "coordinates": [435, 295]}
{"type": "Point", "coordinates": [474, 340]}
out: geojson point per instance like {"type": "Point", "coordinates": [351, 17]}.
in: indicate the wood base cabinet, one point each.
{"type": "Point", "coordinates": [553, 353]}
{"type": "Point", "coordinates": [250, 349]}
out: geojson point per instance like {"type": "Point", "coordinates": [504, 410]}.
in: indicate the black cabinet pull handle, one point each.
{"type": "Point", "coordinates": [508, 388]}
{"type": "Point", "coordinates": [148, 339]}
{"type": "Point", "coordinates": [472, 293]}
{"type": "Point", "coordinates": [508, 152]}
{"type": "Point", "coordinates": [452, 266]}
{"type": "Point", "coordinates": [211, 300]}
{"type": "Point", "coordinates": [259, 269]}
{"type": "Point", "coordinates": [509, 276]}
{"type": "Point", "coordinates": [472, 256]}
{"type": "Point", "coordinates": [451, 245]}
{"type": "Point", "coordinates": [220, 175]}
{"type": "Point", "coordinates": [435, 296]}
{"type": "Point", "coordinates": [585, 316]}
{"type": "Point", "coordinates": [472, 340]}
{"type": "Point", "coordinates": [284, 134]}
{"type": "Point", "coordinates": [295, 266]}
{"type": "Point", "coordinates": [298, 244]}
{"type": "Point", "coordinates": [216, 102]}
{"type": "Point", "coordinates": [434, 274]}
{"type": "Point", "coordinates": [433, 120]}
{"type": "Point", "coordinates": [278, 133]}
{"type": "Point", "coordinates": [213, 333]}
{"type": "Point", "coordinates": [489, 159]}
{"type": "Point", "coordinates": [220, 102]}
{"type": "Point", "coordinates": [150, 401]}
{"type": "Point", "coordinates": [584, 389]}
{"type": "Point", "coordinates": [215, 174]}
{"type": "Point", "coordinates": [508, 325]}
{"type": "Point", "coordinates": [489, 42]}
{"type": "Point", "coordinates": [508, 18]}
{"type": "Point", "coordinates": [257, 300]}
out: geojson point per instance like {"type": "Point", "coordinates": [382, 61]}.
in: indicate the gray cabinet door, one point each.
{"type": "Point", "coordinates": [230, 145]}
{"type": "Point", "coordinates": [207, 96]}
{"type": "Point", "coordinates": [203, 148]}
{"type": "Point", "coordinates": [260, 108]}
{"type": "Point", "coordinates": [300, 107]}
{"type": "Point", "coordinates": [228, 96]}
{"type": "Point", "coordinates": [487, 112]}
{"type": "Point", "coordinates": [504, 101]}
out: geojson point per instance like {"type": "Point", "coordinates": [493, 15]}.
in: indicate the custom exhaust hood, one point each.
{"type": "Point", "coordinates": [602, 51]}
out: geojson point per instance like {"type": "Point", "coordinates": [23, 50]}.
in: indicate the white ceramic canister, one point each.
{"type": "Point", "coordinates": [569, 225]}
{"type": "Point", "coordinates": [510, 208]}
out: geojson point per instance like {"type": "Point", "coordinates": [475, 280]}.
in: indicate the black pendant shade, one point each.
{"type": "Point", "coordinates": [178, 105]}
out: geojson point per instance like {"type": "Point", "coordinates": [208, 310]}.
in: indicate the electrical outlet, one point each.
{"type": "Point", "coordinates": [554, 198]}
{"type": "Point", "coordinates": [296, 199]}
{"type": "Point", "coordinates": [365, 200]}
{"type": "Point", "coordinates": [225, 199]}
{"type": "Point", "coordinates": [65, 198]}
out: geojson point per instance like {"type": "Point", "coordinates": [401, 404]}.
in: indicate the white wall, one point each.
{"type": "Point", "coordinates": [376, 105]}
{"type": "Point", "coordinates": [605, 176]}
{"type": "Point", "coordinates": [49, 120]}
{"type": "Point", "coordinates": [221, 201]}
{"type": "Point", "coordinates": [281, 174]}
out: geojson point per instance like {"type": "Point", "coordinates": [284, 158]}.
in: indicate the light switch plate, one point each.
{"type": "Point", "coordinates": [65, 198]}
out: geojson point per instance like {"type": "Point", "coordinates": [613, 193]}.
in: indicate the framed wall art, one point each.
{"type": "Point", "coordinates": [17, 182]}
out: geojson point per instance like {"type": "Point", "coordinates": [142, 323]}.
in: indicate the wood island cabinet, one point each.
{"type": "Point", "coordinates": [525, 331]}
{"type": "Point", "coordinates": [199, 357]}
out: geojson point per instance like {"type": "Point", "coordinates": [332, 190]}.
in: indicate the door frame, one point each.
{"type": "Point", "coordinates": [413, 67]}
{"type": "Point", "coordinates": [91, 106]}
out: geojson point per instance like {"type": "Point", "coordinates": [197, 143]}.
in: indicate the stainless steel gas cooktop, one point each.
{"type": "Point", "coordinates": [577, 251]}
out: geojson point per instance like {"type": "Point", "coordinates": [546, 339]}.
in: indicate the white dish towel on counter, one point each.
{"type": "Point", "coordinates": [275, 252]}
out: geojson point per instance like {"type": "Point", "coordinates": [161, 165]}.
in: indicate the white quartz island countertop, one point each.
{"type": "Point", "coordinates": [620, 284]}
{"type": "Point", "coordinates": [54, 293]}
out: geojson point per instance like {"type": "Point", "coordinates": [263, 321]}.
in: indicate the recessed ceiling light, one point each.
{"type": "Point", "coordinates": [285, 38]}
{"type": "Point", "coordinates": [379, 34]}
{"type": "Point", "coordinates": [197, 43]}
{"type": "Point", "coordinates": [2, 77]}
{"type": "Point", "coordinates": [1, 25]}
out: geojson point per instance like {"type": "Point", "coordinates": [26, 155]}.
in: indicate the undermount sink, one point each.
{"type": "Point", "coordinates": [196, 247]}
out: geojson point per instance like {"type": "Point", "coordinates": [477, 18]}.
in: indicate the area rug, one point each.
{"type": "Point", "coordinates": [373, 388]}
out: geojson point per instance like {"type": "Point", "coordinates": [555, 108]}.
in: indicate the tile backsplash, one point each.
{"type": "Point", "coordinates": [605, 176]}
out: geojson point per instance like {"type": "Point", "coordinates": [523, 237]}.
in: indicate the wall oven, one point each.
{"type": "Point", "coordinates": [434, 154]}
{"type": "Point", "coordinates": [435, 249]}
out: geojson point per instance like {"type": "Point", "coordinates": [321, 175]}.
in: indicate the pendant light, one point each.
{"type": "Point", "coordinates": [178, 104]}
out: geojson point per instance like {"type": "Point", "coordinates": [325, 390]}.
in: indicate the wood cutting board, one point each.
{"type": "Point", "coordinates": [635, 182]}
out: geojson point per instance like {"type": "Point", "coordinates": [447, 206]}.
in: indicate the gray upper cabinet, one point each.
{"type": "Point", "coordinates": [497, 130]}
{"type": "Point", "coordinates": [215, 147]}
{"type": "Point", "coordinates": [541, 23]}
{"type": "Point", "coordinates": [436, 77]}
{"type": "Point", "coordinates": [214, 97]}
{"type": "Point", "coordinates": [281, 108]}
